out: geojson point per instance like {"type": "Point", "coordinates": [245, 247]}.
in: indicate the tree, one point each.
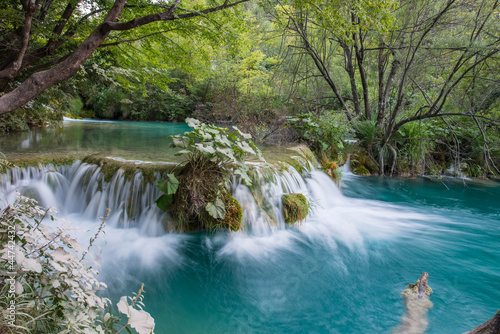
{"type": "Point", "coordinates": [40, 44]}
{"type": "Point", "coordinates": [402, 62]}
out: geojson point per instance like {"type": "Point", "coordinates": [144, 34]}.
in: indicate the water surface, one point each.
{"type": "Point", "coordinates": [340, 271]}
{"type": "Point", "coordinates": [132, 140]}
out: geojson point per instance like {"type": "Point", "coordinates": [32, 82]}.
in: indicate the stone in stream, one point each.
{"type": "Point", "coordinates": [417, 303]}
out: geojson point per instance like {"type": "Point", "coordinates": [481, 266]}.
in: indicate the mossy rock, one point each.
{"type": "Point", "coordinates": [355, 163]}
{"type": "Point", "coordinates": [330, 168]}
{"type": "Point", "coordinates": [35, 159]}
{"type": "Point", "coordinates": [109, 167]}
{"type": "Point", "coordinates": [295, 208]}
{"type": "Point", "coordinates": [361, 170]}
{"type": "Point", "coordinates": [202, 182]}
{"type": "Point", "coordinates": [371, 165]}
{"type": "Point", "coordinates": [234, 214]}
{"type": "Point", "coordinates": [361, 159]}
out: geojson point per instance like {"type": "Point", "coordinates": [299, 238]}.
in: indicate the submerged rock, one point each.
{"type": "Point", "coordinates": [417, 304]}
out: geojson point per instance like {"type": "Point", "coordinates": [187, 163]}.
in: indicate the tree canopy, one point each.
{"type": "Point", "coordinates": [408, 79]}
{"type": "Point", "coordinates": [46, 42]}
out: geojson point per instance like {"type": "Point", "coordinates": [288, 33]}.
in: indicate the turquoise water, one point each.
{"type": "Point", "coordinates": [343, 279]}
{"type": "Point", "coordinates": [134, 140]}
{"type": "Point", "coordinates": [146, 141]}
{"type": "Point", "coordinates": [341, 271]}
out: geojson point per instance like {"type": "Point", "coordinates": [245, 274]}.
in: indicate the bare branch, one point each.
{"type": "Point", "coordinates": [165, 16]}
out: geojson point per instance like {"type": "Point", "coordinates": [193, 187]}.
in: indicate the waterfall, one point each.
{"type": "Point", "coordinates": [81, 189]}
{"type": "Point", "coordinates": [346, 168]}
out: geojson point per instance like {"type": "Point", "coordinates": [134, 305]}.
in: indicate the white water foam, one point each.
{"type": "Point", "coordinates": [137, 227]}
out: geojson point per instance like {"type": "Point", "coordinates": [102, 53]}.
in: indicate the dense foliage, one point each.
{"type": "Point", "coordinates": [198, 195]}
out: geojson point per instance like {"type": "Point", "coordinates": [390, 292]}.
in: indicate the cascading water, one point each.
{"type": "Point", "coordinates": [340, 271]}
{"type": "Point", "coordinates": [82, 190]}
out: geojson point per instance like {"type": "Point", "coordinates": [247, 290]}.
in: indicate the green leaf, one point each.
{"type": "Point", "coordinates": [193, 123]}
{"type": "Point", "coordinates": [206, 136]}
{"type": "Point", "coordinates": [168, 186]}
{"type": "Point", "coordinates": [217, 210]}
{"type": "Point", "coordinates": [164, 201]}
{"type": "Point", "coordinates": [219, 203]}
{"type": "Point", "coordinates": [181, 152]}
{"type": "Point", "coordinates": [245, 148]}
{"type": "Point", "coordinates": [244, 135]}
{"type": "Point", "coordinates": [244, 176]}
{"type": "Point", "coordinates": [227, 152]}
{"type": "Point", "coordinates": [182, 142]}
{"type": "Point", "coordinates": [204, 149]}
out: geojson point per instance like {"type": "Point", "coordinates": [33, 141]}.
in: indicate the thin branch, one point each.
{"type": "Point", "coordinates": [135, 39]}
{"type": "Point", "coordinates": [13, 68]}
{"type": "Point", "coordinates": [165, 16]}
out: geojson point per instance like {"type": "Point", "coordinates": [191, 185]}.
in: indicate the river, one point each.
{"type": "Point", "coordinates": [341, 271]}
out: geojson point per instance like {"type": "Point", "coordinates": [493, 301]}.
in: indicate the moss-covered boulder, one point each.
{"type": "Point", "coordinates": [361, 170]}
{"type": "Point", "coordinates": [234, 214]}
{"type": "Point", "coordinates": [295, 208]}
{"type": "Point", "coordinates": [371, 165]}
{"type": "Point", "coordinates": [202, 185]}
{"type": "Point", "coordinates": [362, 164]}
{"type": "Point", "coordinates": [330, 168]}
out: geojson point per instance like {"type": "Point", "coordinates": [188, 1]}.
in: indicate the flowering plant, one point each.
{"type": "Point", "coordinates": [47, 280]}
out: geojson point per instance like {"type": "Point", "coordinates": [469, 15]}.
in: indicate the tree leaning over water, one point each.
{"type": "Point", "coordinates": [44, 42]}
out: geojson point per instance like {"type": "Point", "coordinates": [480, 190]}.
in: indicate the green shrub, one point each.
{"type": "Point", "coordinates": [325, 133]}
{"type": "Point", "coordinates": [198, 195]}
{"type": "Point", "coordinates": [75, 107]}
{"type": "Point", "coordinates": [45, 110]}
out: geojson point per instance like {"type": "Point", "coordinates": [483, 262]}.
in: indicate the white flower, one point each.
{"type": "Point", "coordinates": [139, 320]}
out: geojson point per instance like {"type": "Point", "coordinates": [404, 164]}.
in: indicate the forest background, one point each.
{"type": "Point", "coordinates": [405, 88]}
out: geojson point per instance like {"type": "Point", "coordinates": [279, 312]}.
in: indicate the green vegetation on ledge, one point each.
{"type": "Point", "coordinates": [295, 208]}
{"type": "Point", "coordinates": [197, 193]}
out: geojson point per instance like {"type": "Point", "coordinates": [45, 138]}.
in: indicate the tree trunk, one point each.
{"type": "Point", "coordinates": [40, 81]}
{"type": "Point", "coordinates": [491, 326]}
{"type": "Point", "coordinates": [360, 57]}
{"type": "Point", "coordinates": [349, 66]}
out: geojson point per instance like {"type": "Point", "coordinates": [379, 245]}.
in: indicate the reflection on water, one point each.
{"type": "Point", "coordinates": [135, 140]}
{"type": "Point", "coordinates": [143, 141]}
